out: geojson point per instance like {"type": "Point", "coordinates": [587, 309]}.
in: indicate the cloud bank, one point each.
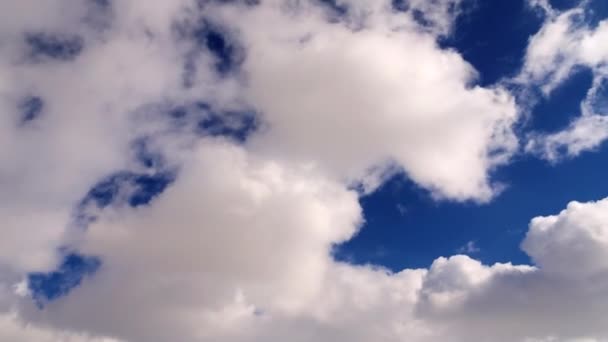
{"type": "Point", "coordinates": [211, 154]}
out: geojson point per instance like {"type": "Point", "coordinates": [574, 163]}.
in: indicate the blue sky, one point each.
{"type": "Point", "coordinates": [416, 236]}
{"type": "Point", "coordinates": [327, 170]}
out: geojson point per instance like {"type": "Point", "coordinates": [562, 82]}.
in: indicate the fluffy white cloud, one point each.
{"type": "Point", "coordinates": [561, 298]}
{"type": "Point", "coordinates": [565, 44]}
{"type": "Point", "coordinates": [233, 230]}
{"type": "Point", "coordinates": [573, 241]}
{"type": "Point", "coordinates": [119, 60]}
{"type": "Point", "coordinates": [377, 91]}
{"type": "Point", "coordinates": [584, 134]}
{"type": "Point", "coordinates": [239, 247]}
{"type": "Point", "coordinates": [96, 95]}
{"type": "Point", "coordinates": [265, 271]}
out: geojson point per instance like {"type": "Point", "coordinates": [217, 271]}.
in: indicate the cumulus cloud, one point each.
{"type": "Point", "coordinates": [566, 43]}
{"type": "Point", "coordinates": [82, 80]}
{"type": "Point", "coordinates": [103, 98]}
{"type": "Point", "coordinates": [368, 92]}
{"type": "Point", "coordinates": [265, 271]}
{"type": "Point", "coordinates": [232, 230]}
{"type": "Point", "coordinates": [84, 105]}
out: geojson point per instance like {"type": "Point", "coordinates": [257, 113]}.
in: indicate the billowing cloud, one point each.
{"type": "Point", "coordinates": [232, 230]}
{"type": "Point", "coordinates": [80, 83]}
{"type": "Point", "coordinates": [375, 91]}
{"type": "Point", "coordinates": [83, 81]}
{"type": "Point", "coordinates": [265, 271]}
{"type": "Point", "coordinates": [194, 163]}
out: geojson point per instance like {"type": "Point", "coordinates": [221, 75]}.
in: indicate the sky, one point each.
{"type": "Point", "coordinates": [304, 170]}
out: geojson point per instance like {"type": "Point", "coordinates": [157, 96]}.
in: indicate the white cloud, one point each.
{"type": "Point", "coordinates": [563, 45]}
{"type": "Point", "coordinates": [584, 134]}
{"type": "Point", "coordinates": [573, 241]}
{"type": "Point", "coordinates": [95, 105]}
{"type": "Point", "coordinates": [91, 112]}
{"type": "Point", "coordinates": [233, 235]}
{"type": "Point", "coordinates": [559, 298]}
{"type": "Point", "coordinates": [273, 278]}
{"type": "Point", "coordinates": [239, 247]}
{"type": "Point", "coordinates": [377, 92]}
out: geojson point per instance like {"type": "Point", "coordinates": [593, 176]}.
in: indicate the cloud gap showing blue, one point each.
{"type": "Point", "coordinates": [62, 47]}
{"type": "Point", "coordinates": [419, 16]}
{"type": "Point", "coordinates": [228, 55]}
{"type": "Point", "coordinates": [211, 38]}
{"type": "Point", "coordinates": [145, 154]}
{"type": "Point", "coordinates": [237, 126]}
{"type": "Point", "coordinates": [120, 188]}
{"type": "Point", "coordinates": [46, 287]}
{"type": "Point", "coordinates": [30, 108]}
{"type": "Point", "coordinates": [557, 110]}
{"type": "Point", "coordinates": [335, 7]}
{"type": "Point", "coordinates": [208, 121]}
{"type": "Point", "coordinates": [135, 189]}
{"type": "Point", "coordinates": [476, 31]}
{"type": "Point", "coordinates": [400, 5]}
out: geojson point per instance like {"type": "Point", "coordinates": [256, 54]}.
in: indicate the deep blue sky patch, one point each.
{"type": "Point", "coordinates": [400, 5]}
{"type": "Point", "coordinates": [558, 109]}
{"type": "Point", "coordinates": [132, 188]}
{"type": "Point", "coordinates": [493, 36]}
{"type": "Point", "coordinates": [45, 287]}
{"type": "Point", "coordinates": [405, 227]}
{"type": "Point", "coordinates": [228, 55]}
